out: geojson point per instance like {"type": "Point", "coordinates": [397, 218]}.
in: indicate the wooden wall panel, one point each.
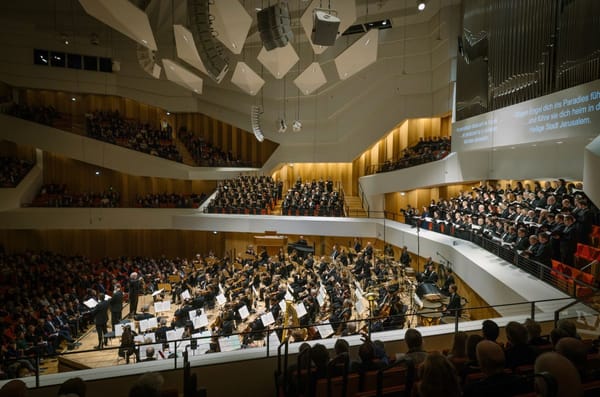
{"type": "Point", "coordinates": [404, 135]}
{"type": "Point", "coordinates": [79, 177]}
{"type": "Point", "coordinates": [11, 149]}
{"type": "Point", "coordinates": [337, 172]}
{"type": "Point", "coordinates": [100, 243]}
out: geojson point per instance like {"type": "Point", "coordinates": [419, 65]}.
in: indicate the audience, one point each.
{"type": "Point", "coordinates": [414, 343]}
{"type": "Point", "coordinates": [74, 387]}
{"type": "Point", "coordinates": [556, 376]}
{"type": "Point", "coordinates": [490, 330]}
{"type": "Point", "coordinates": [425, 151]}
{"type": "Point", "coordinates": [517, 351]}
{"type": "Point", "coordinates": [172, 200]}
{"type": "Point", "coordinates": [438, 377]}
{"type": "Point", "coordinates": [496, 382]}
{"type": "Point", "coordinates": [111, 127]}
{"type": "Point", "coordinates": [39, 114]}
{"type": "Point", "coordinates": [205, 154]}
{"type": "Point", "coordinates": [13, 170]}
{"type": "Point", "coordinates": [53, 195]}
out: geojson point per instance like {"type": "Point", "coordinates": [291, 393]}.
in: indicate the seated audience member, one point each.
{"type": "Point", "coordinates": [534, 334]}
{"type": "Point", "coordinates": [342, 356]}
{"type": "Point", "coordinates": [472, 365]}
{"type": "Point", "coordinates": [490, 330]}
{"type": "Point", "coordinates": [414, 343]}
{"type": "Point", "coordinates": [380, 353]}
{"type": "Point", "coordinates": [557, 334]}
{"type": "Point", "coordinates": [517, 351]}
{"type": "Point", "coordinates": [437, 377]}
{"type": "Point", "coordinates": [459, 345]}
{"type": "Point", "coordinates": [74, 387]}
{"type": "Point", "coordinates": [14, 388]}
{"type": "Point", "coordinates": [147, 385]}
{"type": "Point", "coordinates": [556, 376]}
{"type": "Point", "coordinates": [576, 352]}
{"type": "Point", "coordinates": [496, 382]}
{"type": "Point", "coordinates": [319, 357]}
{"type": "Point", "coordinates": [569, 327]}
{"type": "Point", "coordinates": [368, 361]}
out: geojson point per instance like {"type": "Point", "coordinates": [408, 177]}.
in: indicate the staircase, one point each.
{"type": "Point", "coordinates": [354, 207]}
{"type": "Point", "coordinates": [187, 157]}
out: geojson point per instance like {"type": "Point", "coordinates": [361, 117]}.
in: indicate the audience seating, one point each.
{"type": "Point", "coordinates": [205, 154]}
{"type": "Point", "coordinates": [13, 170]}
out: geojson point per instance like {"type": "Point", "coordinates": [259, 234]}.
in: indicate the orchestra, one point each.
{"type": "Point", "coordinates": [252, 294]}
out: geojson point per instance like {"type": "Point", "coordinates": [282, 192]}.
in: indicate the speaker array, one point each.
{"type": "Point", "coordinates": [274, 26]}
{"type": "Point", "coordinates": [255, 122]}
{"type": "Point", "coordinates": [211, 51]}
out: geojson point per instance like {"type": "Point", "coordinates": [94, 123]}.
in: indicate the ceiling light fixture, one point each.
{"type": "Point", "coordinates": [282, 126]}
{"type": "Point", "coordinates": [421, 5]}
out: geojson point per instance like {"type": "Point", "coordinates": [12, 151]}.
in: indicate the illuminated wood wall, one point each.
{"type": "Point", "coordinates": [404, 135]}
{"type": "Point", "coordinates": [337, 172]}
{"type": "Point", "coordinates": [80, 177]}
{"type": "Point", "coordinates": [240, 143]}
{"type": "Point", "coordinates": [11, 149]}
{"type": "Point", "coordinates": [101, 243]}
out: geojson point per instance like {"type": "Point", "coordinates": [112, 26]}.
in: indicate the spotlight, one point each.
{"type": "Point", "coordinates": [73, 99]}
{"type": "Point", "coordinates": [296, 126]}
{"type": "Point", "coordinates": [282, 126]}
{"type": "Point", "coordinates": [97, 172]}
{"type": "Point", "coordinates": [421, 5]}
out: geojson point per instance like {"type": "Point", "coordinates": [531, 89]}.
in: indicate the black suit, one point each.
{"type": "Point", "coordinates": [100, 314]}
{"type": "Point", "coordinates": [454, 305]}
{"type": "Point", "coordinates": [116, 307]}
{"type": "Point", "coordinates": [135, 289]}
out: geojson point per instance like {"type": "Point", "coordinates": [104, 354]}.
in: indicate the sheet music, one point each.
{"type": "Point", "coordinates": [200, 321]}
{"type": "Point", "coordinates": [185, 295]}
{"type": "Point", "coordinates": [255, 292]}
{"type": "Point", "coordinates": [301, 310]}
{"type": "Point", "coordinates": [325, 330]}
{"type": "Point", "coordinates": [138, 339]}
{"type": "Point", "coordinates": [91, 303]}
{"type": "Point", "coordinates": [274, 342]}
{"type": "Point", "coordinates": [320, 300]}
{"type": "Point", "coordinates": [192, 314]}
{"type": "Point", "coordinates": [244, 313]}
{"type": "Point", "coordinates": [267, 319]}
{"type": "Point", "coordinates": [152, 323]}
{"type": "Point", "coordinates": [360, 307]}
{"type": "Point", "coordinates": [143, 325]}
{"type": "Point", "coordinates": [163, 306]}
{"type": "Point", "coordinates": [107, 297]}
{"type": "Point", "coordinates": [282, 305]}
{"type": "Point", "coordinates": [230, 343]}
{"type": "Point", "coordinates": [118, 330]}
{"type": "Point", "coordinates": [171, 335]}
{"type": "Point", "coordinates": [221, 299]}
{"type": "Point", "coordinates": [288, 296]}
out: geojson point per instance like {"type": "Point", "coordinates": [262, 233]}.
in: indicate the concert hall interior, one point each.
{"type": "Point", "coordinates": [196, 189]}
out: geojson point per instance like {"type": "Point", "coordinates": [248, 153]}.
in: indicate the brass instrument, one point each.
{"type": "Point", "coordinates": [291, 314]}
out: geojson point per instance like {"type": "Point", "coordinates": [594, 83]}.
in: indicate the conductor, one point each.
{"type": "Point", "coordinates": [135, 288]}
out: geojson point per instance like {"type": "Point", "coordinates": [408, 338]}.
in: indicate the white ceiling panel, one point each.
{"type": "Point", "coordinates": [186, 48]}
{"type": "Point", "coordinates": [311, 79]}
{"type": "Point", "coordinates": [246, 79]}
{"type": "Point", "coordinates": [278, 61]}
{"type": "Point", "coordinates": [124, 17]}
{"type": "Point", "coordinates": [179, 75]}
{"type": "Point", "coordinates": [358, 56]}
{"type": "Point", "coordinates": [232, 23]}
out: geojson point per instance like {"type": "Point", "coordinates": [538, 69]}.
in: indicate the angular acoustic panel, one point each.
{"type": "Point", "coordinates": [147, 60]}
{"type": "Point", "coordinates": [186, 48]}
{"type": "Point", "coordinates": [278, 61]}
{"type": "Point", "coordinates": [232, 23]}
{"type": "Point", "coordinates": [124, 17]}
{"type": "Point", "coordinates": [182, 76]}
{"type": "Point", "coordinates": [311, 79]}
{"type": "Point", "coordinates": [359, 55]}
{"type": "Point", "coordinates": [345, 10]}
{"type": "Point", "coordinates": [247, 79]}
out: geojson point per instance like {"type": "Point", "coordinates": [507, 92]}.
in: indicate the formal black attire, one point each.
{"type": "Point", "coordinates": [116, 307]}
{"type": "Point", "coordinates": [454, 305]}
{"type": "Point", "coordinates": [135, 289]}
{"type": "Point", "coordinates": [100, 314]}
